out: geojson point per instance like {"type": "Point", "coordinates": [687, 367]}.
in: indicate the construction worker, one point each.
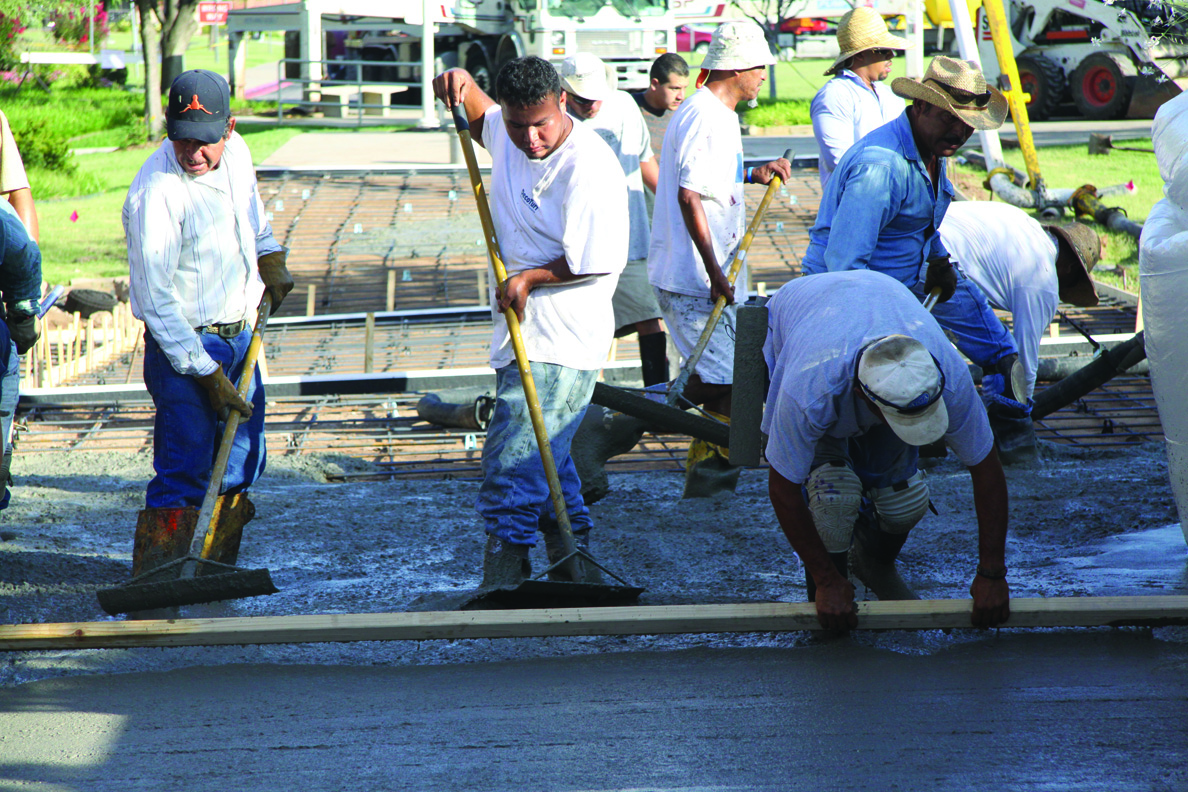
{"type": "Point", "coordinates": [887, 198]}
{"type": "Point", "coordinates": [667, 81]}
{"type": "Point", "coordinates": [853, 394]}
{"type": "Point", "coordinates": [700, 219]}
{"type": "Point", "coordinates": [201, 254]}
{"type": "Point", "coordinates": [1023, 267]}
{"type": "Point", "coordinates": [856, 101]}
{"type": "Point", "coordinates": [559, 203]}
{"type": "Point", "coordinates": [20, 287]}
{"type": "Point", "coordinates": [617, 120]}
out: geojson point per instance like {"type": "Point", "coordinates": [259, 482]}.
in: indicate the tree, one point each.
{"type": "Point", "coordinates": [166, 27]}
{"type": "Point", "coordinates": [768, 14]}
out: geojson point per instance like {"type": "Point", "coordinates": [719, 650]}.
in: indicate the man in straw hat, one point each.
{"type": "Point", "coordinates": [1023, 267]}
{"type": "Point", "coordinates": [890, 194]}
{"type": "Point", "coordinates": [700, 220]}
{"type": "Point", "coordinates": [856, 101]}
{"type": "Point", "coordinates": [852, 395]}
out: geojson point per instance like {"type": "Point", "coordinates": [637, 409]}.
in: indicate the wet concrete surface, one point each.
{"type": "Point", "coordinates": [1041, 711]}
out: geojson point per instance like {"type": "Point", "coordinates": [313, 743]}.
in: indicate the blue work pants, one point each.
{"type": "Point", "coordinates": [187, 431]}
{"type": "Point", "coordinates": [515, 493]}
{"type": "Point", "coordinates": [968, 318]}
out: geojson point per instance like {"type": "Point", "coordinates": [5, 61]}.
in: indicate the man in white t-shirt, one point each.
{"type": "Point", "coordinates": [559, 203]}
{"type": "Point", "coordinates": [1022, 267]}
{"type": "Point", "coordinates": [856, 101]}
{"type": "Point", "coordinates": [700, 218]}
{"type": "Point", "coordinates": [615, 116]}
{"type": "Point", "coordinates": [852, 396]}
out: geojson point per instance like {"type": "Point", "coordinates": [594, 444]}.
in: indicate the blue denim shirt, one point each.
{"type": "Point", "coordinates": [20, 258]}
{"type": "Point", "coordinates": [880, 198]}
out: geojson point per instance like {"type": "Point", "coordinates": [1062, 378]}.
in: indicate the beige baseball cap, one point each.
{"type": "Point", "coordinates": [902, 378]}
{"type": "Point", "coordinates": [584, 75]}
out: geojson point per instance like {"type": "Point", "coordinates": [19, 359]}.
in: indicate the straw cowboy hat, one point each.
{"type": "Point", "coordinates": [738, 45]}
{"type": "Point", "coordinates": [956, 86]}
{"type": "Point", "coordinates": [1083, 243]}
{"type": "Point", "coordinates": [863, 29]}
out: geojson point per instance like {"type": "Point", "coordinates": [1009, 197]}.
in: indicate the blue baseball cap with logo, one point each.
{"type": "Point", "coordinates": [199, 105]}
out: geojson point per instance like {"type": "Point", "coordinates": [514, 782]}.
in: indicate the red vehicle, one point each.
{"type": "Point", "coordinates": [694, 38]}
{"type": "Point", "coordinates": [799, 26]}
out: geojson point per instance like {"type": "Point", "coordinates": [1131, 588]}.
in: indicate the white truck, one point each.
{"type": "Point", "coordinates": [479, 35]}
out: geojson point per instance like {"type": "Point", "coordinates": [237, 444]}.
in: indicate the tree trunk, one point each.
{"type": "Point", "coordinates": [179, 23]}
{"type": "Point", "coordinates": [150, 43]}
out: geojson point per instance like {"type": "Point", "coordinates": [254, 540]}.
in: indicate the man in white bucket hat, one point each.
{"type": "Point", "coordinates": [853, 394]}
{"type": "Point", "coordinates": [617, 119]}
{"type": "Point", "coordinates": [890, 193]}
{"type": "Point", "coordinates": [700, 219]}
{"type": "Point", "coordinates": [856, 101]}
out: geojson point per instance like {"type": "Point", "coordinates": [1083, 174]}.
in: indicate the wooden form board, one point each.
{"type": "Point", "coordinates": [639, 620]}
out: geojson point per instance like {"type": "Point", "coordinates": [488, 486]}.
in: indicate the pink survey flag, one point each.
{"type": "Point", "coordinates": [74, 216]}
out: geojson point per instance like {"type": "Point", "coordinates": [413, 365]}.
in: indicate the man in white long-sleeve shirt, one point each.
{"type": "Point", "coordinates": [201, 255]}
{"type": "Point", "coordinates": [1022, 267]}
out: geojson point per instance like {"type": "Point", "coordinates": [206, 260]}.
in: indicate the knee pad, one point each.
{"type": "Point", "coordinates": [901, 505]}
{"type": "Point", "coordinates": [834, 498]}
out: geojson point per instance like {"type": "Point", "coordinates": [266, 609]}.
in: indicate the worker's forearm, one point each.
{"type": "Point", "coordinates": [650, 171]}
{"type": "Point", "coordinates": [22, 202]}
{"type": "Point", "coordinates": [991, 505]}
{"type": "Point", "coordinates": [797, 524]}
{"type": "Point", "coordinates": [693, 214]}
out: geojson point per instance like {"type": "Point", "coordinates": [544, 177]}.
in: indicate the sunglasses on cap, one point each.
{"type": "Point", "coordinates": [965, 98]}
{"type": "Point", "coordinates": [918, 404]}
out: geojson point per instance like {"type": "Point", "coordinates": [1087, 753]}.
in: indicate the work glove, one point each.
{"type": "Point", "coordinates": [941, 274]}
{"type": "Point", "coordinates": [275, 275]}
{"type": "Point", "coordinates": [223, 395]}
{"type": "Point", "coordinates": [23, 327]}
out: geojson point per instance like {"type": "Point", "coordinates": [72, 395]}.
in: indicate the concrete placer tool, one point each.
{"type": "Point", "coordinates": [677, 390]}
{"type": "Point", "coordinates": [195, 578]}
{"type": "Point", "coordinates": [536, 592]}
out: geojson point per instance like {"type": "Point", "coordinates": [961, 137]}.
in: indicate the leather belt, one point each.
{"type": "Point", "coordinates": [230, 330]}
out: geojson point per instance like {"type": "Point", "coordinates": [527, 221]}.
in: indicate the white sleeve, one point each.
{"type": "Point", "coordinates": [833, 126]}
{"type": "Point", "coordinates": [153, 228]}
{"type": "Point", "coordinates": [1031, 312]}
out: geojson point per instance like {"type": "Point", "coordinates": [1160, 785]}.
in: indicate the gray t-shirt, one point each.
{"type": "Point", "coordinates": [816, 328]}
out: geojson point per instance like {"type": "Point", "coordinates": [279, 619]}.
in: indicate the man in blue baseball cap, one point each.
{"type": "Point", "coordinates": [201, 254]}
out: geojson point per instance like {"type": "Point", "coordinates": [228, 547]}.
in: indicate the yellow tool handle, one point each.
{"type": "Point", "coordinates": [517, 338]}
{"type": "Point", "coordinates": [1001, 35]}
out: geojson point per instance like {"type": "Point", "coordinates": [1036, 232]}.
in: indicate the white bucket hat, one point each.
{"type": "Point", "coordinates": [584, 75]}
{"type": "Point", "coordinates": [956, 86]}
{"type": "Point", "coordinates": [738, 45]}
{"type": "Point", "coordinates": [906, 383]}
{"type": "Point", "coordinates": [863, 29]}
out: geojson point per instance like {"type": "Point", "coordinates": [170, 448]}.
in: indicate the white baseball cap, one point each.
{"type": "Point", "coordinates": [584, 75]}
{"type": "Point", "coordinates": [906, 383]}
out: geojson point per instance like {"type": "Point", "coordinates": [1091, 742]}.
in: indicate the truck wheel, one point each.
{"type": "Point", "coordinates": [86, 302]}
{"type": "Point", "coordinates": [701, 48]}
{"type": "Point", "coordinates": [1100, 87]}
{"type": "Point", "coordinates": [1044, 80]}
{"type": "Point", "coordinates": [480, 70]}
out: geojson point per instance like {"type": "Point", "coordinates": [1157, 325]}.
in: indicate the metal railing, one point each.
{"type": "Point", "coordinates": [343, 88]}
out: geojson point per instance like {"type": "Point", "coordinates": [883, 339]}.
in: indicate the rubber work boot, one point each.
{"type": "Point", "coordinates": [505, 565]}
{"type": "Point", "coordinates": [1014, 437]}
{"type": "Point", "coordinates": [231, 513]}
{"type": "Point", "coordinates": [162, 535]}
{"type": "Point", "coordinates": [653, 358]}
{"type": "Point", "coordinates": [872, 557]}
{"type": "Point", "coordinates": [553, 547]}
{"type": "Point", "coordinates": [840, 563]}
{"type": "Point", "coordinates": [707, 468]}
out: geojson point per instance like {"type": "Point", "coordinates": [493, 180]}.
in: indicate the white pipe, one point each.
{"type": "Point", "coordinates": [914, 56]}
{"type": "Point", "coordinates": [428, 114]}
{"type": "Point", "coordinates": [967, 45]}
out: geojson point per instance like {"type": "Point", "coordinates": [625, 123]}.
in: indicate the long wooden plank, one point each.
{"type": "Point", "coordinates": [645, 620]}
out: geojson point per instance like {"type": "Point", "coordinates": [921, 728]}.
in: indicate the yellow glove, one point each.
{"type": "Point", "coordinates": [275, 275]}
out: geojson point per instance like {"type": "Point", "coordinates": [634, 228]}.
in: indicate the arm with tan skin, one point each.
{"type": "Point", "coordinates": [991, 598]}
{"type": "Point", "coordinates": [698, 227]}
{"type": "Point", "coordinates": [456, 87]}
{"type": "Point", "coordinates": [517, 287]}
{"type": "Point", "coordinates": [650, 170]}
{"type": "Point", "coordinates": [22, 201]}
{"type": "Point", "coordinates": [835, 595]}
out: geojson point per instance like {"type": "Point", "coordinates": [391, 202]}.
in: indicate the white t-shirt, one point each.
{"type": "Point", "coordinates": [1012, 259]}
{"type": "Point", "coordinates": [816, 327]}
{"type": "Point", "coordinates": [620, 123]}
{"type": "Point", "coordinates": [572, 203]}
{"type": "Point", "coordinates": [702, 152]}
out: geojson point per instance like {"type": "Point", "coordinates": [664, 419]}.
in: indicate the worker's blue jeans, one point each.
{"type": "Point", "coordinates": [968, 318]}
{"type": "Point", "coordinates": [515, 492]}
{"type": "Point", "coordinates": [186, 431]}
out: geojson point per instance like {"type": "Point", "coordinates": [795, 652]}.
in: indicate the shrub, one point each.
{"type": "Point", "coordinates": [10, 27]}
{"type": "Point", "coordinates": [41, 147]}
{"type": "Point", "coordinates": [72, 23]}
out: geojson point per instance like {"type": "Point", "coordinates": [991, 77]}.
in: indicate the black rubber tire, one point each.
{"type": "Point", "coordinates": [701, 47]}
{"type": "Point", "coordinates": [89, 301]}
{"type": "Point", "coordinates": [1044, 80]}
{"type": "Point", "coordinates": [480, 69]}
{"type": "Point", "coordinates": [1100, 87]}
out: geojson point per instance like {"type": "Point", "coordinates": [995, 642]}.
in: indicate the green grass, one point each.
{"type": "Point", "coordinates": [781, 112]}
{"type": "Point", "coordinates": [1071, 167]}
